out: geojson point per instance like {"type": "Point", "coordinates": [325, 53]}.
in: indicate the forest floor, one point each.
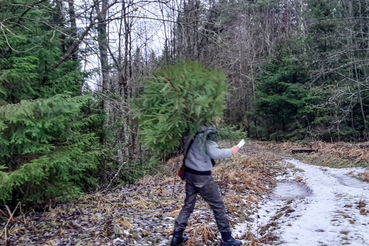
{"type": "Point", "coordinates": [273, 197]}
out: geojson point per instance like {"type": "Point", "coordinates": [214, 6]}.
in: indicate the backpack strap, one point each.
{"type": "Point", "coordinates": [189, 147]}
{"type": "Point", "coordinates": [182, 170]}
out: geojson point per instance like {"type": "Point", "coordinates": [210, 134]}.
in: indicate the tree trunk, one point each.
{"type": "Point", "coordinates": [73, 25]}
{"type": "Point", "coordinates": [103, 52]}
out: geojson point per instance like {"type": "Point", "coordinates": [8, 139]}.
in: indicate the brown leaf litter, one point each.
{"type": "Point", "coordinates": [144, 213]}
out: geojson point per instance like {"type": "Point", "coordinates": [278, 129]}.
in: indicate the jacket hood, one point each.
{"type": "Point", "coordinates": [208, 129]}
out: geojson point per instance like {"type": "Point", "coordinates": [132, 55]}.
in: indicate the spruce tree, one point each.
{"type": "Point", "coordinates": [47, 148]}
{"type": "Point", "coordinates": [283, 95]}
{"type": "Point", "coordinates": [30, 48]}
{"type": "Point", "coordinates": [177, 100]}
{"type": "Point", "coordinates": [46, 152]}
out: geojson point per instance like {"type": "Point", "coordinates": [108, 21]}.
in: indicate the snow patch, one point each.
{"type": "Point", "coordinates": [327, 207]}
{"type": "Point", "coordinates": [288, 189]}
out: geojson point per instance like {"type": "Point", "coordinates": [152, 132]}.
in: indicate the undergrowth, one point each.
{"type": "Point", "coordinates": [336, 155]}
{"type": "Point", "coordinates": [243, 180]}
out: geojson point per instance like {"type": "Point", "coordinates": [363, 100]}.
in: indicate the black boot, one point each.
{"type": "Point", "coordinates": [231, 242]}
{"type": "Point", "coordinates": [228, 240]}
{"type": "Point", "coordinates": [178, 240]}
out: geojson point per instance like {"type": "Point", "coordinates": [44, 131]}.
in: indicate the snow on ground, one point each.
{"type": "Point", "coordinates": [315, 206]}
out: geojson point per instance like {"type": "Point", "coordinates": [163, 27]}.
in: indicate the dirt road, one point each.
{"type": "Point", "coordinates": [315, 205]}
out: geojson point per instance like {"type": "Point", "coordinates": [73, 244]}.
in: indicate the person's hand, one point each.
{"type": "Point", "coordinates": [234, 149]}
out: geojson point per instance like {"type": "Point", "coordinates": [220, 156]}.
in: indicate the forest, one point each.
{"type": "Point", "coordinates": [75, 78]}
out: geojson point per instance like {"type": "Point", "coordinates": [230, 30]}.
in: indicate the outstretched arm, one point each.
{"type": "Point", "coordinates": [215, 152]}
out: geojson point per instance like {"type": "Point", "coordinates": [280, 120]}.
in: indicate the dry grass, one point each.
{"type": "Point", "coordinates": [251, 240]}
{"type": "Point", "coordinates": [242, 181]}
{"type": "Point", "coordinates": [124, 223]}
{"type": "Point", "coordinates": [364, 176]}
{"type": "Point", "coordinates": [201, 234]}
{"type": "Point", "coordinates": [246, 173]}
{"type": "Point", "coordinates": [336, 155]}
{"type": "Point", "coordinates": [328, 154]}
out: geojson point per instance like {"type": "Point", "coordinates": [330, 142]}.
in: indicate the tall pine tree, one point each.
{"type": "Point", "coordinates": [46, 146]}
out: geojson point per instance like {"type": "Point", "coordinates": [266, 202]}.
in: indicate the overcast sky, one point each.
{"type": "Point", "coordinates": [150, 21]}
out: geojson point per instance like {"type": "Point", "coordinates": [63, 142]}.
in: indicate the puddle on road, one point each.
{"type": "Point", "coordinates": [290, 190]}
{"type": "Point", "coordinates": [351, 182]}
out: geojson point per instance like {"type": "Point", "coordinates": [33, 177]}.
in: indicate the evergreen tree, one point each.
{"type": "Point", "coordinates": [316, 86]}
{"type": "Point", "coordinates": [30, 49]}
{"type": "Point", "coordinates": [282, 94]}
{"type": "Point", "coordinates": [47, 148]}
{"type": "Point", "coordinates": [177, 100]}
{"type": "Point", "coordinates": [338, 43]}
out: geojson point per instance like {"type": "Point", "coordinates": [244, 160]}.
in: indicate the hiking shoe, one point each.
{"type": "Point", "coordinates": [231, 242]}
{"type": "Point", "coordinates": [177, 240]}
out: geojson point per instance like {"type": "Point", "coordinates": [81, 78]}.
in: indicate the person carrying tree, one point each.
{"type": "Point", "coordinates": [201, 150]}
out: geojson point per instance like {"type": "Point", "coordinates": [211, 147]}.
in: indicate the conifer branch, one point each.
{"type": "Point", "coordinates": [7, 40]}
{"type": "Point", "coordinates": [171, 82]}
{"type": "Point", "coordinates": [29, 8]}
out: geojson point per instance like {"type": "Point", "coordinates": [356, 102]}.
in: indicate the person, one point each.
{"type": "Point", "coordinates": [201, 150]}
